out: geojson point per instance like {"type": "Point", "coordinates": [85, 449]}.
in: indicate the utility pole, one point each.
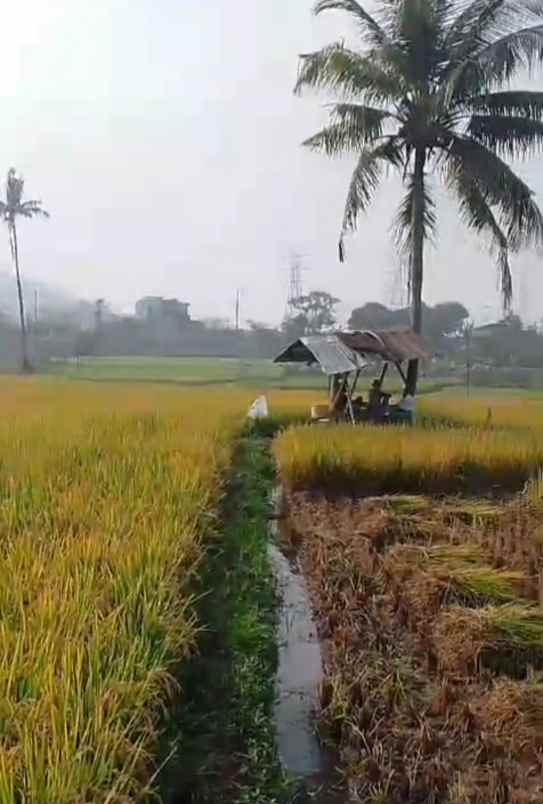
{"type": "Point", "coordinates": [99, 315]}
{"type": "Point", "coordinates": [36, 307]}
{"type": "Point", "coordinates": [238, 302]}
{"type": "Point", "coordinates": [468, 338]}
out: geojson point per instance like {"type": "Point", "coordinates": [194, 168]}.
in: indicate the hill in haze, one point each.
{"type": "Point", "coordinates": [51, 300]}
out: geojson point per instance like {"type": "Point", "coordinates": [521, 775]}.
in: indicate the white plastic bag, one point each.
{"type": "Point", "coordinates": [259, 409]}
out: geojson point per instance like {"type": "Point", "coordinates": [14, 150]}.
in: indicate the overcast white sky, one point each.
{"type": "Point", "coordinates": [163, 137]}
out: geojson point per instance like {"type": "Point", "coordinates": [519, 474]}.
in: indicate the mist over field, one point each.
{"type": "Point", "coordinates": [165, 141]}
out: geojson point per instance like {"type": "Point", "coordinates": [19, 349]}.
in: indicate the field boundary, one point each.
{"type": "Point", "coordinates": [221, 736]}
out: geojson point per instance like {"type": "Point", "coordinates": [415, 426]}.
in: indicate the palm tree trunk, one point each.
{"type": "Point", "coordinates": [417, 262]}
{"type": "Point", "coordinates": [26, 366]}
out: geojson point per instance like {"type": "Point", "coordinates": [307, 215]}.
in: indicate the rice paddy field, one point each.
{"type": "Point", "coordinates": [376, 460]}
{"type": "Point", "coordinates": [106, 496]}
{"type": "Point", "coordinates": [507, 411]}
{"type": "Point", "coordinates": [423, 549]}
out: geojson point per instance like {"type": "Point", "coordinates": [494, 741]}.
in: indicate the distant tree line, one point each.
{"type": "Point", "coordinates": [96, 331]}
{"type": "Point", "coordinates": [441, 320]}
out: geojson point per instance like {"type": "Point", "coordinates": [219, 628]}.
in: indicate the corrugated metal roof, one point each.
{"type": "Point", "coordinates": [332, 355]}
{"type": "Point", "coordinates": [395, 345]}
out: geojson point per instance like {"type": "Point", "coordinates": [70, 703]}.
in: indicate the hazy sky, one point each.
{"type": "Point", "coordinates": [164, 139]}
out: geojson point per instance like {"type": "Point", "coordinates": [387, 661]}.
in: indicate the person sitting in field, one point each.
{"type": "Point", "coordinates": [407, 407]}
{"type": "Point", "coordinates": [339, 403]}
{"type": "Point", "coordinates": [360, 408]}
{"type": "Point", "coordinates": [378, 399]}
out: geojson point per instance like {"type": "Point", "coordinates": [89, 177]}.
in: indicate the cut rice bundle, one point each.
{"type": "Point", "coordinates": [504, 639]}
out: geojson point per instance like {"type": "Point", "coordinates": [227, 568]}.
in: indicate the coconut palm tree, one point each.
{"type": "Point", "coordinates": [428, 91]}
{"type": "Point", "coordinates": [12, 208]}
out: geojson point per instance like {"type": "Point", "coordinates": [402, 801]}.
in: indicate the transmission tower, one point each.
{"type": "Point", "coordinates": [295, 286]}
{"type": "Point", "coordinates": [395, 287]}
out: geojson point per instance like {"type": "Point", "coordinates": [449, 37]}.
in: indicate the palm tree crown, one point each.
{"type": "Point", "coordinates": [14, 207]}
{"type": "Point", "coordinates": [429, 90]}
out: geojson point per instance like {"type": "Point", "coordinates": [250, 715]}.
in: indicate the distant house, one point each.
{"type": "Point", "coordinates": [499, 328]}
{"type": "Point", "coordinates": [157, 308]}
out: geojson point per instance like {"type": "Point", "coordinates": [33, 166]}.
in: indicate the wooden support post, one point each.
{"type": "Point", "coordinates": [355, 382]}
{"type": "Point", "coordinates": [401, 373]}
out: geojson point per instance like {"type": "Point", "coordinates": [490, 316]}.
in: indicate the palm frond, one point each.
{"type": "Point", "coordinates": [488, 42]}
{"type": "Point", "coordinates": [365, 180]}
{"type": "Point", "coordinates": [369, 27]}
{"type": "Point", "coordinates": [494, 64]}
{"type": "Point", "coordinates": [500, 59]}
{"type": "Point", "coordinates": [515, 102]}
{"type": "Point", "coordinates": [510, 136]}
{"type": "Point", "coordinates": [519, 213]}
{"type": "Point", "coordinates": [339, 69]}
{"type": "Point", "coordinates": [31, 209]}
{"type": "Point", "coordinates": [403, 223]}
{"type": "Point", "coordinates": [470, 26]}
{"type": "Point", "coordinates": [355, 126]}
{"type": "Point", "coordinates": [478, 216]}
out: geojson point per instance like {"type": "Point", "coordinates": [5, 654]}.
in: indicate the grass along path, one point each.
{"type": "Point", "coordinates": [223, 734]}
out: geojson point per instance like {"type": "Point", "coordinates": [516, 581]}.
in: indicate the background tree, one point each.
{"type": "Point", "coordinates": [374, 315]}
{"type": "Point", "coordinates": [443, 319]}
{"type": "Point", "coordinates": [447, 318]}
{"type": "Point", "coordinates": [266, 340]}
{"type": "Point", "coordinates": [12, 208]}
{"type": "Point", "coordinates": [294, 327]}
{"type": "Point", "coordinates": [422, 94]}
{"type": "Point", "coordinates": [316, 312]}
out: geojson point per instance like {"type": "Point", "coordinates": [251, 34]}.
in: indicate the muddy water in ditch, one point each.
{"type": "Point", "coordinates": [299, 676]}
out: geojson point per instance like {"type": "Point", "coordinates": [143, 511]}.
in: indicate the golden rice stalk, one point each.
{"type": "Point", "coordinates": [106, 494]}
{"type": "Point", "coordinates": [389, 460]}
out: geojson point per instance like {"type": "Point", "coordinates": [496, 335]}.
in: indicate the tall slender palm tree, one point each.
{"type": "Point", "coordinates": [12, 208]}
{"type": "Point", "coordinates": [429, 92]}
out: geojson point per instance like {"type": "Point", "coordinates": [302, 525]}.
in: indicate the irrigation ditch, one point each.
{"type": "Point", "coordinates": [410, 623]}
{"type": "Point", "coordinates": [242, 731]}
